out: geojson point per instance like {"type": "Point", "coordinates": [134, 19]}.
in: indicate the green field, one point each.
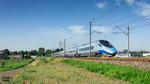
{"type": "Point", "coordinates": [10, 64]}
{"type": "Point", "coordinates": [52, 71]}
{"type": "Point", "coordinates": [127, 73]}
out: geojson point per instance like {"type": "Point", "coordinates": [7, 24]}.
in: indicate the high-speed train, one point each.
{"type": "Point", "coordinates": [98, 48]}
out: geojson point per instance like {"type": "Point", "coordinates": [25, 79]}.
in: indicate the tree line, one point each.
{"type": "Point", "coordinates": [40, 52]}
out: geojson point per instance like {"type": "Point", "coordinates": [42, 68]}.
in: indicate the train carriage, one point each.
{"type": "Point", "coordinates": [98, 48]}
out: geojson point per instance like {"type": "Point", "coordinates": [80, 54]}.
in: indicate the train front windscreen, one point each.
{"type": "Point", "coordinates": [106, 43]}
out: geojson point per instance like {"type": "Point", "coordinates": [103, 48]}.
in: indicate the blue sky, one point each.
{"type": "Point", "coordinates": [30, 24]}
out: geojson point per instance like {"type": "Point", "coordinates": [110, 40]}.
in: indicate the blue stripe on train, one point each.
{"type": "Point", "coordinates": [102, 51]}
{"type": "Point", "coordinates": [86, 53]}
{"type": "Point", "coordinates": [99, 51]}
{"type": "Point", "coordinates": [112, 49]}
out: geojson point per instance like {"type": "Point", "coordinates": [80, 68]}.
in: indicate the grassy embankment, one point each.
{"type": "Point", "coordinates": [127, 73]}
{"type": "Point", "coordinates": [10, 64]}
{"type": "Point", "coordinates": [52, 71]}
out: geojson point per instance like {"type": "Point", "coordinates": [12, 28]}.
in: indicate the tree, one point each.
{"type": "Point", "coordinates": [41, 52]}
{"type": "Point", "coordinates": [61, 49]}
{"type": "Point", "coordinates": [48, 52]}
{"type": "Point", "coordinates": [145, 51]}
{"type": "Point", "coordinates": [33, 52]}
{"type": "Point", "coordinates": [22, 53]}
{"type": "Point", "coordinates": [57, 50]}
{"type": "Point", "coordinates": [26, 52]}
{"type": "Point", "coordinates": [15, 53]}
{"type": "Point", "coordinates": [125, 51]}
{"type": "Point", "coordinates": [6, 51]}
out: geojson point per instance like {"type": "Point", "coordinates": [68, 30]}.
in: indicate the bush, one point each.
{"type": "Point", "coordinates": [27, 57]}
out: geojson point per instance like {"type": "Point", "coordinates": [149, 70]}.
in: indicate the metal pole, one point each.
{"type": "Point", "coordinates": [43, 53]}
{"type": "Point", "coordinates": [53, 50]}
{"type": "Point", "coordinates": [128, 41]}
{"type": "Point", "coordinates": [65, 47]}
{"type": "Point", "coordinates": [90, 40]}
{"type": "Point", "coordinates": [60, 45]}
{"type": "Point", "coordinates": [128, 34]}
{"type": "Point", "coordinates": [76, 49]}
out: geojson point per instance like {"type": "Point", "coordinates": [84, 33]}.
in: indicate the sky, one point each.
{"type": "Point", "coordinates": [30, 24]}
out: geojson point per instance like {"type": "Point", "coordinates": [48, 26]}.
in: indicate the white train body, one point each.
{"type": "Point", "coordinates": [101, 47]}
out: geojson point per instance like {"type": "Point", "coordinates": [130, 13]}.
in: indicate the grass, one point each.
{"type": "Point", "coordinates": [13, 63]}
{"type": "Point", "coordinates": [127, 73]}
{"type": "Point", "coordinates": [51, 71]}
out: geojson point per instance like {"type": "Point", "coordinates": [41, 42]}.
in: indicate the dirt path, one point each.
{"type": "Point", "coordinates": [9, 73]}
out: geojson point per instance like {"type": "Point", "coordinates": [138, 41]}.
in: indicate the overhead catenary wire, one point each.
{"type": "Point", "coordinates": [114, 34]}
{"type": "Point", "coordinates": [97, 18]}
{"type": "Point", "coordinates": [77, 33]}
{"type": "Point", "coordinates": [94, 20]}
{"type": "Point", "coordinates": [140, 26]}
{"type": "Point", "coordinates": [121, 19]}
{"type": "Point", "coordinates": [108, 12]}
{"type": "Point", "coordinates": [132, 28]}
{"type": "Point", "coordinates": [130, 22]}
{"type": "Point", "coordinates": [135, 20]}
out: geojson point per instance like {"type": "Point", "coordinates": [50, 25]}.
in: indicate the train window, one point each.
{"type": "Point", "coordinates": [71, 51]}
{"type": "Point", "coordinates": [86, 48]}
{"type": "Point", "coordinates": [92, 47]}
{"type": "Point", "coordinates": [105, 43]}
{"type": "Point", "coordinates": [99, 44]}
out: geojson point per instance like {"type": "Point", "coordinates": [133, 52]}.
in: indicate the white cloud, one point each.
{"type": "Point", "coordinates": [101, 5]}
{"type": "Point", "coordinates": [77, 29]}
{"type": "Point", "coordinates": [140, 7]}
{"type": "Point", "coordinates": [144, 9]}
{"type": "Point", "coordinates": [101, 29]}
{"type": "Point", "coordinates": [130, 2]}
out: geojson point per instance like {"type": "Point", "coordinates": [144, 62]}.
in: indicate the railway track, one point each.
{"type": "Point", "coordinates": [118, 59]}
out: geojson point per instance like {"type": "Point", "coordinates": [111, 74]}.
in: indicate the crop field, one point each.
{"type": "Point", "coordinates": [10, 64]}
{"type": "Point", "coordinates": [57, 71]}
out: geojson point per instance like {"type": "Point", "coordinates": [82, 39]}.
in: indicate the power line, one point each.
{"type": "Point", "coordinates": [100, 17]}
{"type": "Point", "coordinates": [135, 20]}
{"type": "Point", "coordinates": [77, 32]}
{"type": "Point", "coordinates": [104, 16]}
{"type": "Point", "coordinates": [123, 18]}
{"type": "Point", "coordinates": [94, 20]}
{"type": "Point", "coordinates": [132, 21]}
{"type": "Point", "coordinates": [95, 31]}
{"type": "Point", "coordinates": [140, 26]}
